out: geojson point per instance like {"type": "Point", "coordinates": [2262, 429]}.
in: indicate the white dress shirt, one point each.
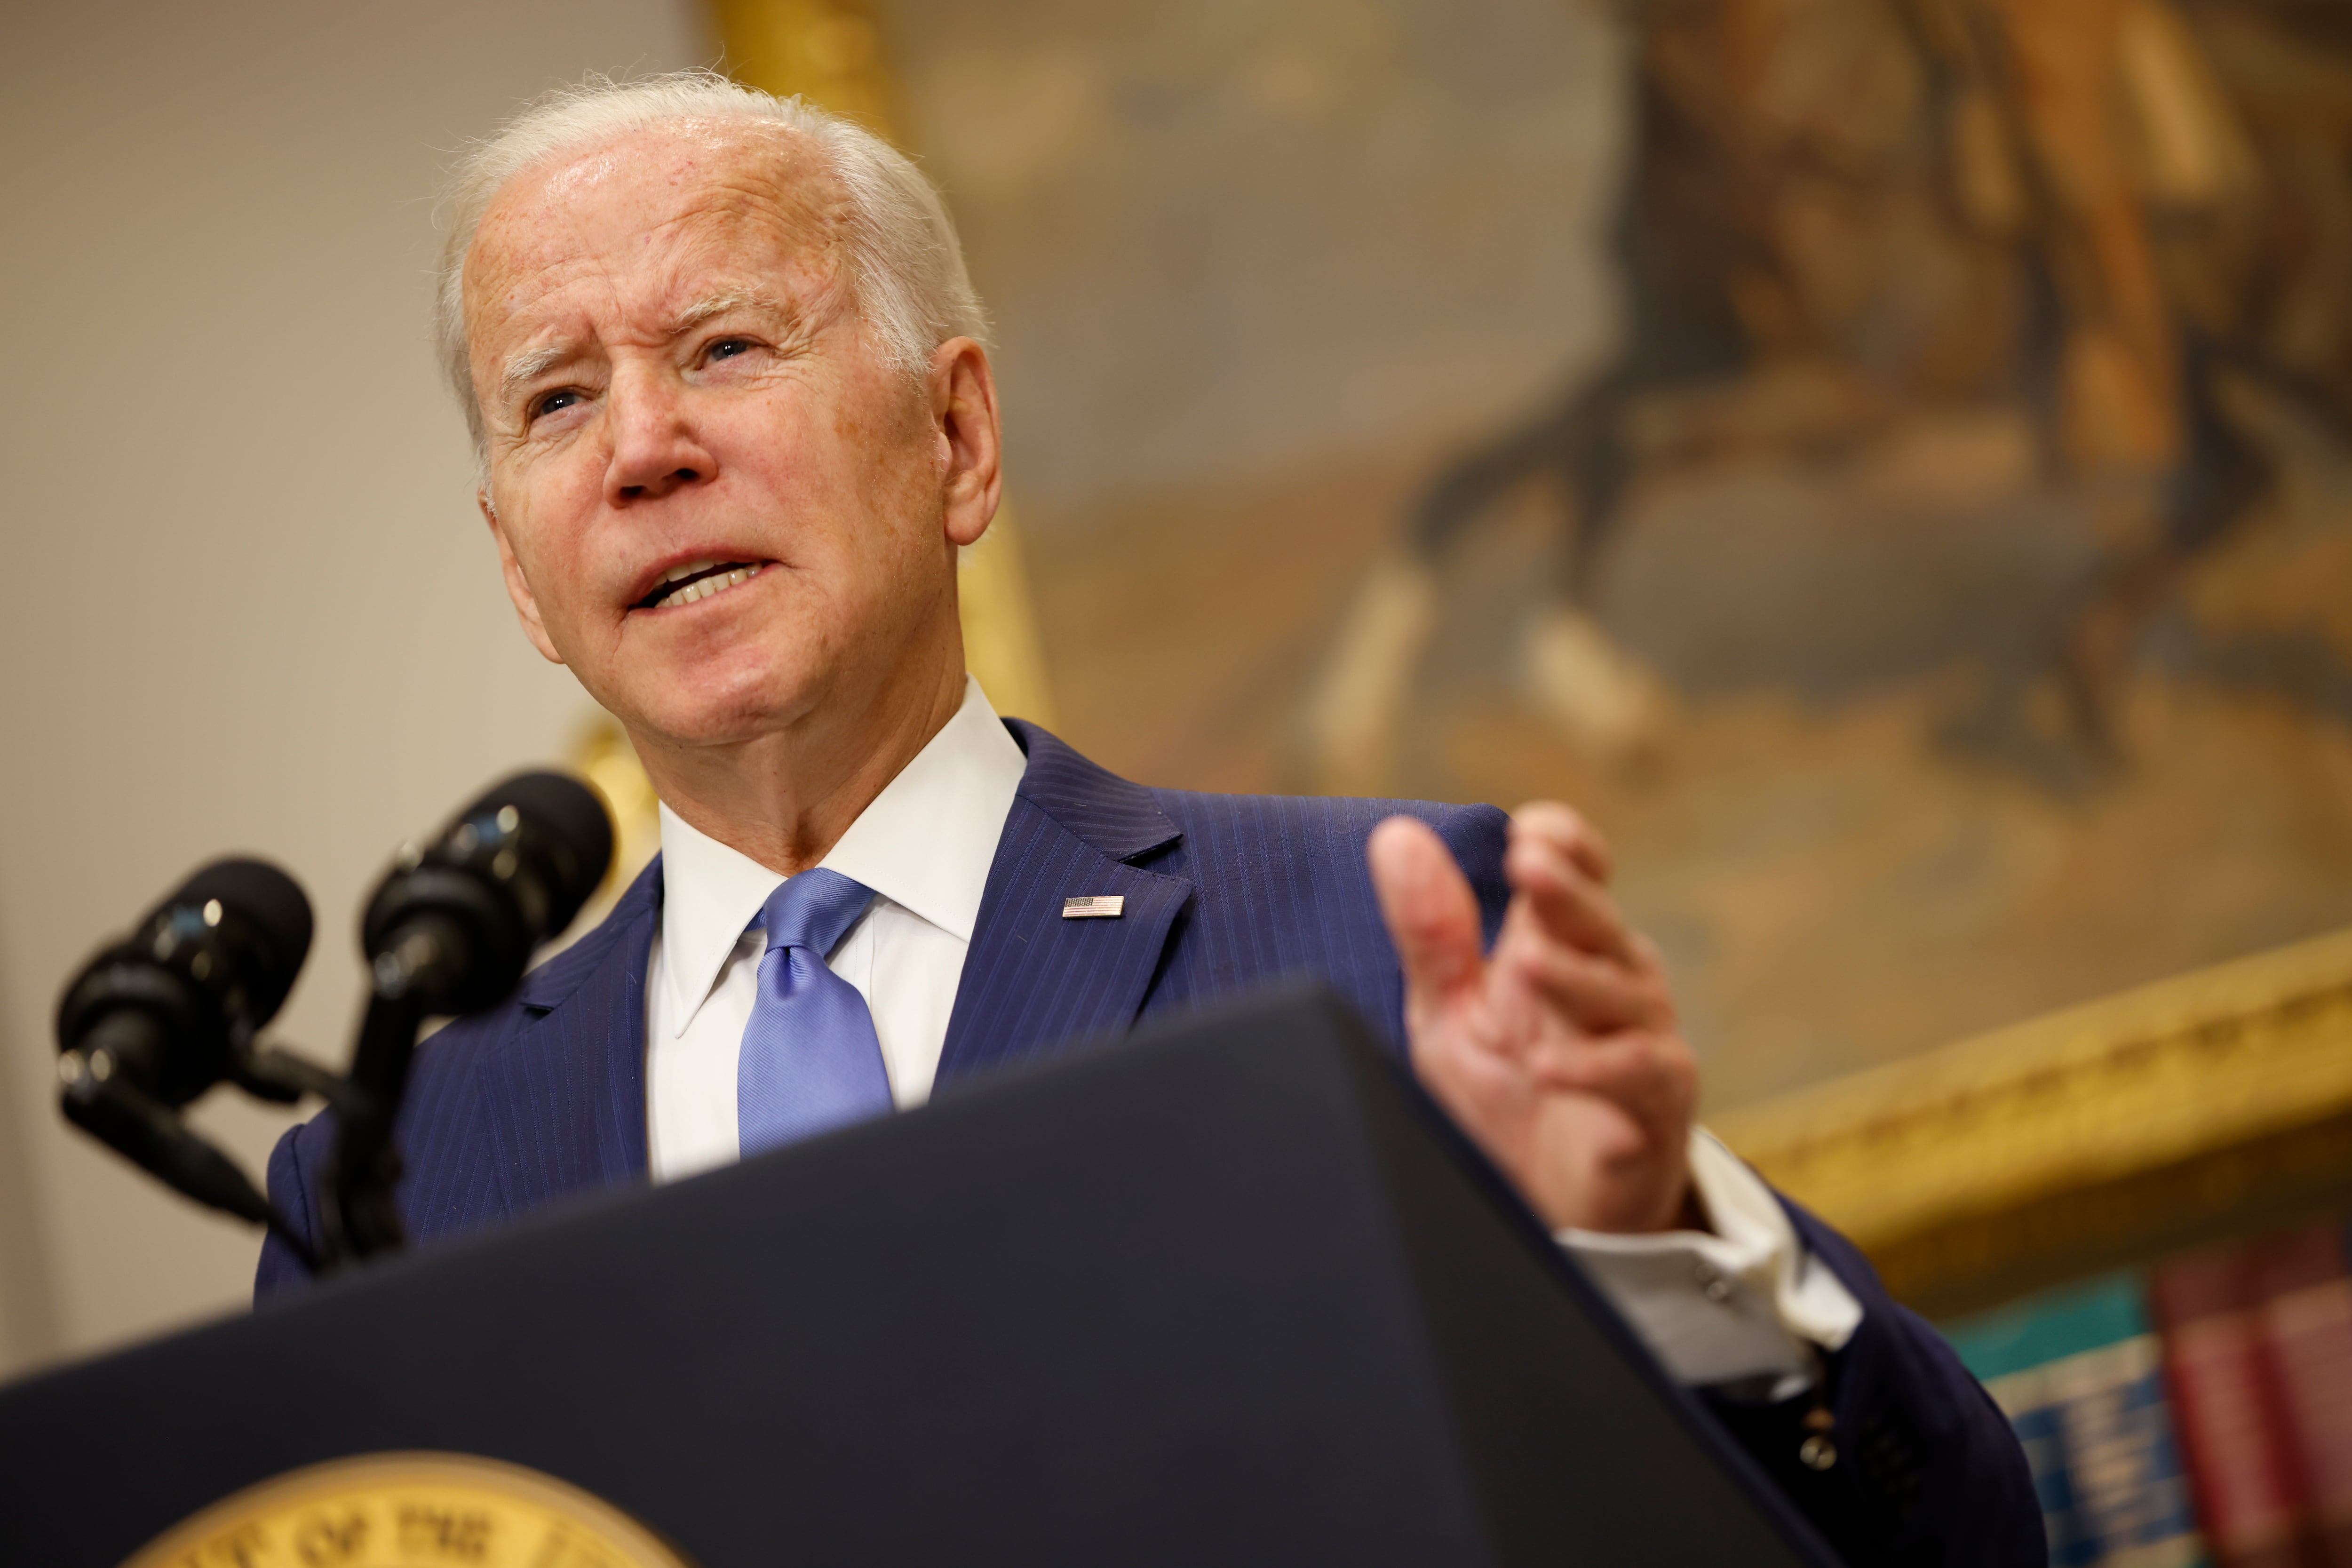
{"type": "Point", "coordinates": [924, 846]}
{"type": "Point", "coordinates": [1745, 1304]}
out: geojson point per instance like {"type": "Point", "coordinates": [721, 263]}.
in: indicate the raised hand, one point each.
{"type": "Point", "coordinates": [1559, 1053]}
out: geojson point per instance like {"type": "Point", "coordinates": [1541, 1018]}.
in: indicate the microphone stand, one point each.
{"type": "Point", "coordinates": [360, 1217]}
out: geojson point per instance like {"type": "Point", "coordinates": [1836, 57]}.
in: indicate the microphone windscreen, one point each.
{"type": "Point", "coordinates": [578, 845]}
{"type": "Point", "coordinates": [274, 908]}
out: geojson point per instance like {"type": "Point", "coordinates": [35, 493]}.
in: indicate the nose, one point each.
{"type": "Point", "coordinates": [656, 451]}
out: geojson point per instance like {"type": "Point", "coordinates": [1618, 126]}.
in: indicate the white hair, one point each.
{"type": "Point", "coordinates": [906, 268]}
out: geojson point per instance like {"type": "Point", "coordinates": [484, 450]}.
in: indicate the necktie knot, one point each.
{"type": "Point", "coordinates": [814, 911]}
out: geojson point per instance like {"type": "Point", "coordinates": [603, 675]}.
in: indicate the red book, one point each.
{"type": "Point", "coordinates": [2304, 1285]}
{"type": "Point", "coordinates": [2229, 1411]}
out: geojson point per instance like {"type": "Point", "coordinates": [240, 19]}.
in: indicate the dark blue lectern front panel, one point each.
{"type": "Point", "coordinates": [1223, 1294]}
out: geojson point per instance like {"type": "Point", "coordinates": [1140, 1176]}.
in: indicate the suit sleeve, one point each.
{"type": "Point", "coordinates": [292, 1195]}
{"type": "Point", "coordinates": [1928, 1472]}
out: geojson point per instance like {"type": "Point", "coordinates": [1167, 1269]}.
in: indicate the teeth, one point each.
{"type": "Point", "coordinates": [694, 592]}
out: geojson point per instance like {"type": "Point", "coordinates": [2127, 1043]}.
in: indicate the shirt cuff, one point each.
{"type": "Point", "coordinates": [1747, 1304]}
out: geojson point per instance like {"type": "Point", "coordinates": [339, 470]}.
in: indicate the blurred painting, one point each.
{"type": "Point", "coordinates": [1885, 461]}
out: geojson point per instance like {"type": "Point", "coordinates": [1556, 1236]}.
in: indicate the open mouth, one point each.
{"type": "Point", "coordinates": [698, 580]}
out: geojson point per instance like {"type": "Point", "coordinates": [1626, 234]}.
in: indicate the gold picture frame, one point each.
{"type": "Point", "coordinates": [2198, 1107]}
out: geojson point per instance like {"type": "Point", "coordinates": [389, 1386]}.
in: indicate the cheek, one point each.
{"type": "Point", "coordinates": [549, 527]}
{"type": "Point", "coordinates": [772, 444]}
{"type": "Point", "coordinates": [837, 486]}
{"type": "Point", "coordinates": [902, 455]}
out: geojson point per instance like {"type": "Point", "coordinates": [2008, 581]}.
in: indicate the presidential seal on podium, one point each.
{"type": "Point", "coordinates": [410, 1510]}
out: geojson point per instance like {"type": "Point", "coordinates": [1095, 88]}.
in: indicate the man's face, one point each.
{"type": "Point", "coordinates": [676, 381]}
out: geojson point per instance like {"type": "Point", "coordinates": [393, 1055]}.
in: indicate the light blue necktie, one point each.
{"type": "Point", "coordinates": [810, 1062]}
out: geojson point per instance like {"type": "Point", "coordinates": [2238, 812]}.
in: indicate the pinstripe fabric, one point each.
{"type": "Point", "coordinates": [1223, 892]}
{"type": "Point", "coordinates": [545, 1096]}
{"type": "Point", "coordinates": [1294, 895]}
{"type": "Point", "coordinates": [563, 1094]}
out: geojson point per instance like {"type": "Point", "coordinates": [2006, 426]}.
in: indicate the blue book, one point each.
{"type": "Point", "coordinates": [2080, 1373]}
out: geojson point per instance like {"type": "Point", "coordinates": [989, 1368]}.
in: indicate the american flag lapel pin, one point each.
{"type": "Point", "coordinates": [1095, 906]}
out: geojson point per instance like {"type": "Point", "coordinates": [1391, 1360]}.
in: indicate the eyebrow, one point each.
{"type": "Point", "coordinates": [702, 310]}
{"type": "Point", "coordinates": [529, 365]}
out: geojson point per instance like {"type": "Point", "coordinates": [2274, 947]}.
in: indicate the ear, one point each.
{"type": "Point", "coordinates": [963, 408]}
{"type": "Point", "coordinates": [518, 589]}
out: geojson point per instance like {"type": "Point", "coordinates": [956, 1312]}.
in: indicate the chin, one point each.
{"type": "Point", "coordinates": [723, 708]}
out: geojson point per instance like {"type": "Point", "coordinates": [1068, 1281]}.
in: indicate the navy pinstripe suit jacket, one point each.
{"type": "Point", "coordinates": [544, 1097]}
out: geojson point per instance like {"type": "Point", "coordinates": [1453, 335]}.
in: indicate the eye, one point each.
{"type": "Point", "coordinates": [728, 348]}
{"type": "Point", "coordinates": [553, 402]}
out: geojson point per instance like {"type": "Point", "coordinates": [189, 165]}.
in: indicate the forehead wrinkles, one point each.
{"type": "Point", "coordinates": [661, 214]}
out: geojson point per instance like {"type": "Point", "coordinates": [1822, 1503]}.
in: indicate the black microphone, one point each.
{"type": "Point", "coordinates": [450, 929]}
{"type": "Point", "coordinates": [454, 925]}
{"type": "Point", "coordinates": [175, 1002]}
{"type": "Point", "coordinates": [159, 1017]}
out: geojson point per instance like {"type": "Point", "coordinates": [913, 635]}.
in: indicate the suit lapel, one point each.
{"type": "Point", "coordinates": [1035, 983]}
{"type": "Point", "coordinates": [565, 1091]}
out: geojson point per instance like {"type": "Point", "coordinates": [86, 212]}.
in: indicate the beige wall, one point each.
{"type": "Point", "coordinates": [249, 604]}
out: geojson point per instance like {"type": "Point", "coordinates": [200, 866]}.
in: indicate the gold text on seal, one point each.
{"type": "Point", "coordinates": [410, 1510]}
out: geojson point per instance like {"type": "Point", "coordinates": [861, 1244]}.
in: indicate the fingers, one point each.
{"type": "Point", "coordinates": [1651, 1076]}
{"type": "Point", "coordinates": [1572, 904]}
{"type": "Point", "coordinates": [1550, 822]}
{"type": "Point", "coordinates": [1599, 995]}
{"type": "Point", "coordinates": [1431, 914]}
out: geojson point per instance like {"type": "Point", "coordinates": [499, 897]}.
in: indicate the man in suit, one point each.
{"type": "Point", "coordinates": [726, 377]}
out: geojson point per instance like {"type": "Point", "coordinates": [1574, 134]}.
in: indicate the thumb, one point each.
{"type": "Point", "coordinates": [1431, 915]}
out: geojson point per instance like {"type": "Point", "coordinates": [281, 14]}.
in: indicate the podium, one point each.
{"type": "Point", "coordinates": [1229, 1292]}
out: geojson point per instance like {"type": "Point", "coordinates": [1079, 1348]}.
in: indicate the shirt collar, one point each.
{"type": "Point", "coordinates": [926, 842]}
